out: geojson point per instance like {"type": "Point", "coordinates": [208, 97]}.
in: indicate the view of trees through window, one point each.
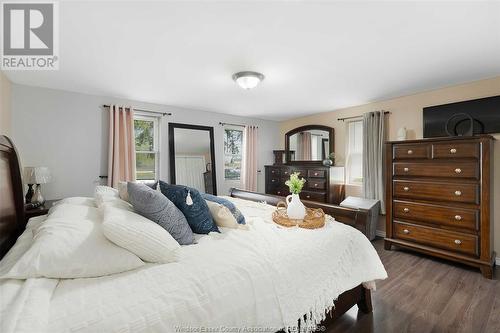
{"type": "Point", "coordinates": [145, 152]}
{"type": "Point", "coordinates": [233, 152]}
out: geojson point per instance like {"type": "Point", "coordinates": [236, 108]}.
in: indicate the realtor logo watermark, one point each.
{"type": "Point", "coordinates": [30, 32]}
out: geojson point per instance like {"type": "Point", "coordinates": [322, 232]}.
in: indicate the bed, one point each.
{"type": "Point", "coordinates": [263, 279]}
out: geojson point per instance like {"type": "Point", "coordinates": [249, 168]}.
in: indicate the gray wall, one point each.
{"type": "Point", "coordinates": [68, 133]}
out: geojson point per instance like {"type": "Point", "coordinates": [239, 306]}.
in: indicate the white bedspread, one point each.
{"type": "Point", "coordinates": [265, 277]}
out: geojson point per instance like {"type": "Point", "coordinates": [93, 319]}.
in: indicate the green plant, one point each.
{"type": "Point", "coordinates": [294, 183]}
{"type": "Point", "coordinates": [332, 157]}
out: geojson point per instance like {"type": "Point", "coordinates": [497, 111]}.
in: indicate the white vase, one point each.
{"type": "Point", "coordinates": [295, 208]}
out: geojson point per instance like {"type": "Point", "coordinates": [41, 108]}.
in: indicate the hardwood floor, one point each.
{"type": "Point", "coordinates": [424, 294]}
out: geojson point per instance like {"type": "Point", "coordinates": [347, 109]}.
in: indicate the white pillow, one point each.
{"type": "Point", "coordinates": [70, 244]}
{"type": "Point", "coordinates": [141, 236]}
{"type": "Point", "coordinates": [123, 191]}
{"type": "Point", "coordinates": [223, 216]}
{"type": "Point", "coordinates": [83, 201]}
{"type": "Point", "coordinates": [105, 193]}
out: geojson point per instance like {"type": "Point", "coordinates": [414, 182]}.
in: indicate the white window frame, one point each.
{"type": "Point", "coordinates": [348, 153]}
{"type": "Point", "coordinates": [235, 128]}
{"type": "Point", "coordinates": [156, 143]}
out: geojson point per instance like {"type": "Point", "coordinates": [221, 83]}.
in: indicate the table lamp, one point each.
{"type": "Point", "coordinates": [38, 176]}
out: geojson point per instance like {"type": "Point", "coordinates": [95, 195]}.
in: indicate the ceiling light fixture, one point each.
{"type": "Point", "coordinates": [248, 79]}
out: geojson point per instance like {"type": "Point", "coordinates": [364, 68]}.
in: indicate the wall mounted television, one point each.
{"type": "Point", "coordinates": [484, 111]}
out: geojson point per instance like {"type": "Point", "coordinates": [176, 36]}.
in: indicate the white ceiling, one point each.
{"type": "Point", "coordinates": [316, 56]}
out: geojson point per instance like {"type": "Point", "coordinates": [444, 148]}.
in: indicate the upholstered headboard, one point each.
{"type": "Point", "coordinates": [11, 196]}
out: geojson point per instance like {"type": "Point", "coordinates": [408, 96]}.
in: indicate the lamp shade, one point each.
{"type": "Point", "coordinates": [37, 175]}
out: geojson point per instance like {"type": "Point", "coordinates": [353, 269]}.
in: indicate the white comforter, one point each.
{"type": "Point", "coordinates": [263, 278]}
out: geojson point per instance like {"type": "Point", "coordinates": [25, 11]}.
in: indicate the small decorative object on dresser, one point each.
{"type": "Point", "coordinates": [438, 198]}
{"type": "Point", "coordinates": [36, 175]}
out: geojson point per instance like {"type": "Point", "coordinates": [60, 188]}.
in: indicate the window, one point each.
{"type": "Point", "coordinates": [354, 153]}
{"type": "Point", "coordinates": [233, 153]}
{"type": "Point", "coordinates": [147, 158]}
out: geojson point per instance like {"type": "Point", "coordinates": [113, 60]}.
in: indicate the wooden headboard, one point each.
{"type": "Point", "coordinates": [11, 196]}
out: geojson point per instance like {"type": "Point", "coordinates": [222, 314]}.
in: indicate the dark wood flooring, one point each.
{"type": "Point", "coordinates": [423, 294]}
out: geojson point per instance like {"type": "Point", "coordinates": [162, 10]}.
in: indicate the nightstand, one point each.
{"type": "Point", "coordinates": [42, 210]}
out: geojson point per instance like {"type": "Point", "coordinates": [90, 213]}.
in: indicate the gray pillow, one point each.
{"type": "Point", "coordinates": [152, 204]}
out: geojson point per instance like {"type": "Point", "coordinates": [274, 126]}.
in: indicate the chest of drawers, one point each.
{"type": "Point", "coordinates": [438, 198]}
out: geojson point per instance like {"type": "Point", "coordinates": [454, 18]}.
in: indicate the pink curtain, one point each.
{"type": "Point", "coordinates": [121, 153]}
{"type": "Point", "coordinates": [304, 148]}
{"type": "Point", "coordinates": [250, 158]}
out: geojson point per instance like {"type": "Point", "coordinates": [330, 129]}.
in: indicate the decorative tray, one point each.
{"type": "Point", "coordinates": [314, 219]}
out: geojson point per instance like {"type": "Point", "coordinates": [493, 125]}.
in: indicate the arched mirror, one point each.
{"type": "Point", "coordinates": [309, 144]}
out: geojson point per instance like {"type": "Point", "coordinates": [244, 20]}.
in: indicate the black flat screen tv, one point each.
{"type": "Point", "coordinates": [484, 111]}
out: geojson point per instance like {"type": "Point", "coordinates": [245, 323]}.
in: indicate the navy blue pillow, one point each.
{"type": "Point", "coordinates": [234, 210]}
{"type": "Point", "coordinates": [198, 215]}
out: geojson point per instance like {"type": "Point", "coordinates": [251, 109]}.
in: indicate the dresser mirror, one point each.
{"type": "Point", "coordinates": [192, 158]}
{"type": "Point", "coordinates": [309, 144]}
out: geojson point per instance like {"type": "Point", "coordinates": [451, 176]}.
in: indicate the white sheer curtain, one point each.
{"type": "Point", "coordinates": [121, 151]}
{"type": "Point", "coordinates": [373, 148]}
{"type": "Point", "coordinates": [250, 163]}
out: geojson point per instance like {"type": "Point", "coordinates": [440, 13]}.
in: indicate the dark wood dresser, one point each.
{"type": "Point", "coordinates": [438, 198]}
{"type": "Point", "coordinates": [318, 187]}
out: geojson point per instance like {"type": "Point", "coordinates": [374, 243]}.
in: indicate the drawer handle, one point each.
{"type": "Point", "coordinates": [458, 217]}
{"type": "Point", "coordinates": [315, 185]}
{"type": "Point", "coordinates": [315, 173]}
{"type": "Point", "coordinates": [273, 180]}
{"type": "Point", "coordinates": [406, 188]}
{"type": "Point", "coordinates": [308, 196]}
{"type": "Point", "coordinates": [406, 231]}
{"type": "Point", "coordinates": [458, 193]}
{"type": "Point", "coordinates": [272, 171]}
{"type": "Point", "coordinates": [286, 172]}
{"type": "Point", "coordinates": [406, 210]}
{"type": "Point", "coordinates": [458, 170]}
{"type": "Point", "coordinates": [458, 241]}
{"type": "Point", "coordinates": [453, 151]}
{"type": "Point", "coordinates": [410, 151]}
{"type": "Point", "coordinates": [279, 192]}
{"type": "Point", "coordinates": [406, 169]}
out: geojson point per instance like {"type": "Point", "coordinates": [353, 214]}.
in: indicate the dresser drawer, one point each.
{"type": "Point", "coordinates": [467, 193]}
{"type": "Point", "coordinates": [411, 151]}
{"type": "Point", "coordinates": [302, 172]}
{"type": "Point", "coordinates": [316, 173]}
{"type": "Point", "coordinates": [274, 172]}
{"type": "Point", "coordinates": [282, 191]}
{"type": "Point", "coordinates": [313, 196]}
{"type": "Point", "coordinates": [285, 173]}
{"type": "Point", "coordinates": [467, 219]}
{"type": "Point", "coordinates": [275, 181]}
{"type": "Point", "coordinates": [439, 238]}
{"type": "Point", "coordinates": [455, 150]}
{"type": "Point", "coordinates": [430, 169]}
{"type": "Point", "coordinates": [316, 184]}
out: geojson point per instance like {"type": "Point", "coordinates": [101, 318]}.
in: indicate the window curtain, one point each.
{"type": "Point", "coordinates": [250, 158]}
{"type": "Point", "coordinates": [304, 146]}
{"type": "Point", "coordinates": [373, 144]}
{"type": "Point", "coordinates": [121, 153]}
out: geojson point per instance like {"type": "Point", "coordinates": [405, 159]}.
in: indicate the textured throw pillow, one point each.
{"type": "Point", "coordinates": [141, 236]}
{"type": "Point", "coordinates": [155, 206]}
{"type": "Point", "coordinates": [223, 216]}
{"type": "Point", "coordinates": [70, 244]}
{"type": "Point", "coordinates": [193, 206]}
{"type": "Point", "coordinates": [122, 191]}
{"type": "Point", "coordinates": [234, 210]}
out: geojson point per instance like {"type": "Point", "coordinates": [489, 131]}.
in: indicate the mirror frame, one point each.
{"type": "Point", "coordinates": [171, 150]}
{"type": "Point", "coordinates": [331, 133]}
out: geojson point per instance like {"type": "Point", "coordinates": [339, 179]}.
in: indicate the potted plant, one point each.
{"type": "Point", "coordinates": [330, 160]}
{"type": "Point", "coordinates": [295, 208]}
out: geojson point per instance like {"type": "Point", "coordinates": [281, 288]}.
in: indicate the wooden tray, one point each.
{"type": "Point", "coordinates": [314, 219]}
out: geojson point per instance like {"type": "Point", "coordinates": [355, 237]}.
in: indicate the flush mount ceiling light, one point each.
{"type": "Point", "coordinates": [247, 79]}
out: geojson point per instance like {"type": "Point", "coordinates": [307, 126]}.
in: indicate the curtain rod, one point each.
{"type": "Point", "coordinates": [148, 111]}
{"type": "Point", "coordinates": [345, 118]}
{"type": "Point", "coordinates": [239, 125]}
